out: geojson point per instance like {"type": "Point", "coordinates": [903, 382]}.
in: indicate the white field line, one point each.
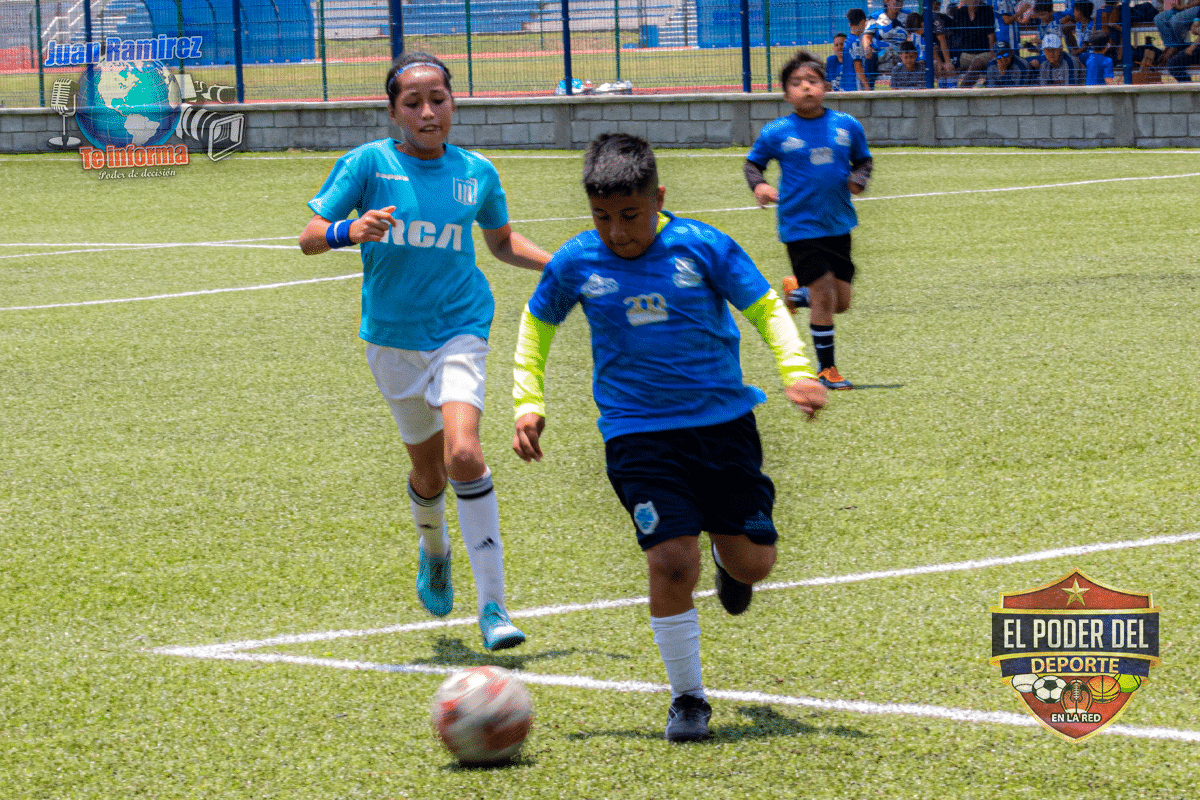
{"type": "Point", "coordinates": [640, 687]}
{"type": "Point", "coordinates": [236, 651]}
{"type": "Point", "coordinates": [97, 247]}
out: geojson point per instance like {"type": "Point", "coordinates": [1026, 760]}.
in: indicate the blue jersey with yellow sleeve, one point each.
{"type": "Point", "coordinates": [816, 157]}
{"type": "Point", "coordinates": [664, 343]}
{"type": "Point", "coordinates": [421, 286]}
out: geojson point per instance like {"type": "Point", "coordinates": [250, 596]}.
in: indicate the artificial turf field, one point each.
{"type": "Point", "coordinates": [207, 557]}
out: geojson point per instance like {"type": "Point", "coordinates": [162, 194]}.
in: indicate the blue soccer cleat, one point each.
{"type": "Point", "coordinates": [498, 631]}
{"type": "Point", "coordinates": [434, 589]}
{"type": "Point", "coordinates": [830, 378]}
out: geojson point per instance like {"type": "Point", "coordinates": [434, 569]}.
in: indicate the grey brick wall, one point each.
{"type": "Point", "coordinates": [1165, 115]}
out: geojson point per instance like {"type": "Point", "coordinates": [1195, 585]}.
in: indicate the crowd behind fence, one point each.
{"type": "Point", "coordinates": [280, 50]}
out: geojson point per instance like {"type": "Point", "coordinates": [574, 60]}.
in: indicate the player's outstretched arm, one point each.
{"type": "Point", "coordinates": [529, 384]}
{"type": "Point", "coordinates": [764, 192]}
{"type": "Point", "coordinates": [774, 324]}
{"type": "Point", "coordinates": [370, 227]}
{"type": "Point", "coordinates": [512, 248]}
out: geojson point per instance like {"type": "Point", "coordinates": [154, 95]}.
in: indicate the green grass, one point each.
{"type": "Point", "coordinates": [219, 467]}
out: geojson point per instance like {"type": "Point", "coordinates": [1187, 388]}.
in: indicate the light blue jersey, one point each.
{"type": "Point", "coordinates": [421, 286]}
{"type": "Point", "coordinates": [816, 157]}
{"type": "Point", "coordinates": [1008, 34]}
{"type": "Point", "coordinates": [664, 343]}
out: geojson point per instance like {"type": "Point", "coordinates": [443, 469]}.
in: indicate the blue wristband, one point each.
{"type": "Point", "coordinates": [338, 234]}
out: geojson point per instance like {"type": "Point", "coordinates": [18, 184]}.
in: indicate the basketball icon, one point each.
{"type": "Point", "coordinates": [1104, 688]}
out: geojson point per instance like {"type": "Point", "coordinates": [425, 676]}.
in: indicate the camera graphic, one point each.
{"type": "Point", "coordinates": [220, 131]}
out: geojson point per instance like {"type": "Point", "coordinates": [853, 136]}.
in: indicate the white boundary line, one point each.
{"type": "Point", "coordinates": [89, 247]}
{"type": "Point", "coordinates": [236, 651]}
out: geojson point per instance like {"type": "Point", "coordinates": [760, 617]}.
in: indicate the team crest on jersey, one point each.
{"type": "Point", "coordinates": [842, 138]}
{"type": "Point", "coordinates": [646, 517]}
{"type": "Point", "coordinates": [595, 286]}
{"type": "Point", "coordinates": [686, 275]}
{"type": "Point", "coordinates": [465, 190]}
{"type": "Point", "coordinates": [1075, 651]}
{"type": "Point", "coordinates": [791, 143]}
{"type": "Point", "coordinates": [646, 309]}
{"type": "Point", "coordinates": [821, 155]}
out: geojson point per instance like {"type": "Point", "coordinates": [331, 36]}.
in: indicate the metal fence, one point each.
{"type": "Point", "coordinates": [280, 50]}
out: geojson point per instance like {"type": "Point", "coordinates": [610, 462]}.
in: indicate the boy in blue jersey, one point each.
{"type": "Point", "coordinates": [823, 157]}
{"type": "Point", "coordinates": [835, 64]}
{"type": "Point", "coordinates": [1099, 67]}
{"type": "Point", "coordinates": [426, 314]}
{"type": "Point", "coordinates": [854, 75]}
{"type": "Point", "coordinates": [681, 443]}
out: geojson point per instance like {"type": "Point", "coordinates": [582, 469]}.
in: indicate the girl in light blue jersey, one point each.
{"type": "Point", "coordinates": [426, 313]}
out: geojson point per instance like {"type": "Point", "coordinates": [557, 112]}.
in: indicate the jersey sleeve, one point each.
{"type": "Point", "coordinates": [734, 274]}
{"type": "Point", "coordinates": [529, 367]}
{"type": "Point", "coordinates": [342, 191]}
{"type": "Point", "coordinates": [493, 207]}
{"type": "Point", "coordinates": [859, 150]}
{"type": "Point", "coordinates": [769, 315]}
{"type": "Point", "coordinates": [763, 149]}
{"type": "Point", "coordinates": [554, 297]}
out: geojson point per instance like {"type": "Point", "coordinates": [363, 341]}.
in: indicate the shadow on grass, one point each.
{"type": "Point", "coordinates": [765, 722]}
{"type": "Point", "coordinates": [454, 652]}
{"type": "Point", "coordinates": [521, 761]}
{"type": "Point", "coordinates": [860, 386]}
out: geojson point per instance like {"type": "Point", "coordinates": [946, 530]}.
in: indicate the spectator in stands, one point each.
{"type": "Point", "coordinates": [1079, 27]}
{"type": "Point", "coordinates": [909, 73]}
{"type": "Point", "coordinates": [1173, 25]}
{"type": "Point", "coordinates": [943, 65]}
{"type": "Point", "coordinates": [1188, 56]}
{"type": "Point", "coordinates": [1008, 15]}
{"type": "Point", "coordinates": [940, 52]}
{"type": "Point", "coordinates": [882, 38]}
{"type": "Point", "coordinates": [854, 77]}
{"type": "Point", "coordinates": [835, 64]}
{"type": "Point", "coordinates": [1049, 24]}
{"type": "Point", "coordinates": [1003, 70]}
{"type": "Point", "coordinates": [1053, 69]}
{"type": "Point", "coordinates": [974, 26]}
{"type": "Point", "coordinates": [1098, 65]}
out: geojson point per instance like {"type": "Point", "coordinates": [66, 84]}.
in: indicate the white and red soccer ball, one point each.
{"type": "Point", "coordinates": [482, 715]}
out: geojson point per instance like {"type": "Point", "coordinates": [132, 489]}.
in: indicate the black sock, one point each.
{"type": "Point", "coordinates": [822, 336]}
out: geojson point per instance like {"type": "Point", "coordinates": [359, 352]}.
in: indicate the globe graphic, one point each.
{"type": "Point", "coordinates": [127, 102]}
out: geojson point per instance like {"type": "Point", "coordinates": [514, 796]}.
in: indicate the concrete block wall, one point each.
{"type": "Point", "coordinates": [1166, 115]}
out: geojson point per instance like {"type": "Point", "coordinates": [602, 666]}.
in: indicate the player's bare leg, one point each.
{"type": "Point", "coordinates": [479, 521]}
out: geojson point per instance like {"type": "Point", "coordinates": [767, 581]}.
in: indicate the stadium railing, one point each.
{"type": "Point", "coordinates": [282, 50]}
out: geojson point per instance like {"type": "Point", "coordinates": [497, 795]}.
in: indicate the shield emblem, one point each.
{"type": "Point", "coordinates": [1075, 651]}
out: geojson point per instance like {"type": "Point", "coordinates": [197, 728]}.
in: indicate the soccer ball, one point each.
{"type": "Point", "coordinates": [482, 715]}
{"type": "Point", "coordinates": [1049, 688]}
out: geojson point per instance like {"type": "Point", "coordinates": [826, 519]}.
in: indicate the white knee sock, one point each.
{"type": "Point", "coordinates": [479, 519]}
{"type": "Point", "coordinates": [678, 640]}
{"type": "Point", "coordinates": [429, 514]}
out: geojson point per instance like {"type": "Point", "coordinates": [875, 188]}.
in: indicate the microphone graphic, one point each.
{"type": "Point", "coordinates": [61, 94]}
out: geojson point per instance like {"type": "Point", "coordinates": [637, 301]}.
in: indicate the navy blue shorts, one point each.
{"type": "Point", "coordinates": [680, 482]}
{"type": "Point", "coordinates": [812, 258]}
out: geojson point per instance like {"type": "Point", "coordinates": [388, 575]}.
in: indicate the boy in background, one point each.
{"type": "Point", "coordinates": [824, 159]}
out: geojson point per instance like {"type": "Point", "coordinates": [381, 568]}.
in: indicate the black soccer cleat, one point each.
{"type": "Point", "coordinates": [687, 719]}
{"type": "Point", "coordinates": [734, 595]}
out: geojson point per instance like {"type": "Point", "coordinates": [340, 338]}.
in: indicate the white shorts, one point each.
{"type": "Point", "coordinates": [417, 383]}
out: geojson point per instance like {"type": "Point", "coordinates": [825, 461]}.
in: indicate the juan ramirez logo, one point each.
{"type": "Point", "coordinates": [136, 116]}
{"type": "Point", "coordinates": [1075, 651]}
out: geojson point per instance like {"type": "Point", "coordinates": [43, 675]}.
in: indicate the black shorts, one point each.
{"type": "Point", "coordinates": [812, 258]}
{"type": "Point", "coordinates": [682, 481]}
